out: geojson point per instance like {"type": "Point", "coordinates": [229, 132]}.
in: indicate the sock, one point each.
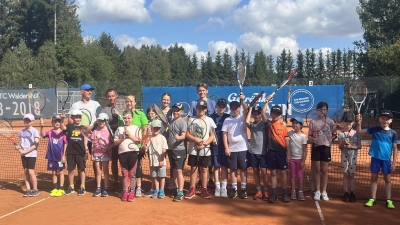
{"type": "Point", "coordinates": [98, 187]}
{"type": "Point", "coordinates": [265, 189]}
{"type": "Point", "coordinates": [82, 186]}
{"type": "Point", "coordinates": [300, 191]}
{"type": "Point", "coordinates": [234, 186]}
{"type": "Point", "coordinates": [61, 188]}
{"type": "Point", "coordinates": [138, 187]}
{"type": "Point", "coordinates": [243, 185]}
{"type": "Point", "coordinates": [180, 192]}
{"type": "Point", "coordinates": [161, 190]}
{"type": "Point", "coordinates": [284, 191]}
{"type": "Point", "coordinates": [217, 185]}
{"type": "Point", "coordinates": [224, 184]}
{"type": "Point", "coordinates": [72, 186]}
{"type": "Point", "coordinates": [274, 191]}
{"type": "Point", "coordinates": [54, 185]}
{"type": "Point", "coordinates": [204, 187]}
{"type": "Point", "coordinates": [259, 189]}
{"type": "Point", "coordinates": [156, 191]}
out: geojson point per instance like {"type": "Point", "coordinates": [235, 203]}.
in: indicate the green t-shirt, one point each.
{"type": "Point", "coordinates": [139, 119]}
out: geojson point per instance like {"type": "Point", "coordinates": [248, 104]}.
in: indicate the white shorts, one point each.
{"type": "Point", "coordinates": [349, 161]}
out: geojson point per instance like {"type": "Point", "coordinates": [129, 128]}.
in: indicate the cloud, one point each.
{"type": "Point", "coordinates": [212, 21]}
{"type": "Point", "coordinates": [189, 48]}
{"type": "Point", "coordinates": [214, 47]}
{"type": "Point", "coordinates": [114, 11]}
{"type": "Point", "coordinates": [124, 40]}
{"type": "Point", "coordinates": [187, 9]}
{"type": "Point", "coordinates": [89, 39]}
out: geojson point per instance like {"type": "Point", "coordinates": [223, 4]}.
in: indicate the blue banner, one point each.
{"type": "Point", "coordinates": [303, 98]}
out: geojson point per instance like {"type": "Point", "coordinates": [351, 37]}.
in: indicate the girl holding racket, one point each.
{"type": "Point", "coordinates": [165, 102]}
{"type": "Point", "coordinates": [321, 148]}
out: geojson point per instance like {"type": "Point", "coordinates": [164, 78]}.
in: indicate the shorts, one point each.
{"type": "Point", "coordinates": [75, 160]}
{"type": "Point", "coordinates": [219, 160]}
{"type": "Point", "coordinates": [296, 172]}
{"type": "Point", "coordinates": [114, 153]}
{"type": "Point", "coordinates": [28, 162]}
{"type": "Point", "coordinates": [376, 165]}
{"type": "Point", "coordinates": [276, 160]}
{"type": "Point", "coordinates": [349, 161]}
{"type": "Point", "coordinates": [321, 153]}
{"type": "Point", "coordinates": [203, 161]}
{"type": "Point", "coordinates": [139, 171]}
{"type": "Point", "coordinates": [156, 171]}
{"type": "Point", "coordinates": [102, 158]}
{"type": "Point", "coordinates": [177, 158]}
{"type": "Point", "coordinates": [128, 160]}
{"type": "Point", "coordinates": [256, 160]}
{"type": "Point", "coordinates": [237, 160]}
{"type": "Point", "coordinates": [55, 165]}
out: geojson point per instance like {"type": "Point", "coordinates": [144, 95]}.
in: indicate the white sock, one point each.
{"type": "Point", "coordinates": [243, 185]}
{"type": "Point", "coordinates": [234, 186]}
{"type": "Point", "coordinates": [224, 184]}
{"type": "Point", "coordinates": [217, 185]}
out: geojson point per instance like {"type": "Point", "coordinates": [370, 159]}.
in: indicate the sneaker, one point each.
{"type": "Point", "coordinates": [171, 184]}
{"type": "Point", "coordinates": [81, 191]}
{"type": "Point", "coordinates": [34, 193]}
{"type": "Point", "coordinates": [178, 197]}
{"type": "Point", "coordinates": [154, 195]}
{"type": "Point", "coordinates": [148, 193]}
{"type": "Point", "coordinates": [301, 196]}
{"type": "Point", "coordinates": [60, 192]}
{"type": "Point", "coordinates": [204, 193]}
{"type": "Point", "coordinates": [273, 198]}
{"type": "Point", "coordinates": [217, 193]}
{"type": "Point", "coordinates": [258, 196]}
{"type": "Point", "coordinates": [211, 184]}
{"type": "Point", "coordinates": [265, 197]}
{"type": "Point", "coordinates": [370, 202]}
{"type": "Point", "coordinates": [104, 193]}
{"type": "Point", "coordinates": [353, 197]}
{"type": "Point", "coordinates": [131, 196]}
{"type": "Point", "coordinates": [389, 204]}
{"type": "Point", "coordinates": [161, 194]}
{"type": "Point", "coordinates": [97, 192]}
{"type": "Point", "coordinates": [69, 191]}
{"type": "Point", "coordinates": [285, 198]}
{"type": "Point", "coordinates": [317, 196]}
{"type": "Point", "coordinates": [27, 193]}
{"type": "Point", "coordinates": [138, 192]}
{"type": "Point", "coordinates": [191, 193]}
{"type": "Point", "coordinates": [124, 197]}
{"type": "Point", "coordinates": [233, 193]}
{"type": "Point", "coordinates": [198, 185]}
{"type": "Point", "coordinates": [293, 195]}
{"type": "Point", "coordinates": [346, 197]}
{"type": "Point", "coordinates": [324, 196]}
{"type": "Point", "coordinates": [243, 193]}
{"type": "Point", "coordinates": [224, 193]}
{"type": "Point", "coordinates": [53, 192]}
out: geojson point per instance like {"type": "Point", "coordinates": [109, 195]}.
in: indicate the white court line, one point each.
{"type": "Point", "coordinates": [1, 217]}
{"type": "Point", "coordinates": [320, 213]}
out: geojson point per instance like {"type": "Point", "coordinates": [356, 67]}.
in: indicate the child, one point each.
{"type": "Point", "coordinates": [28, 151]}
{"type": "Point", "coordinates": [128, 151]}
{"type": "Point", "coordinates": [199, 149]}
{"type": "Point", "coordinates": [151, 115]}
{"type": "Point", "coordinates": [321, 149]}
{"type": "Point", "coordinates": [76, 151]}
{"type": "Point", "coordinates": [177, 149]}
{"type": "Point", "coordinates": [55, 152]}
{"type": "Point", "coordinates": [298, 155]}
{"type": "Point", "coordinates": [218, 158]}
{"type": "Point", "coordinates": [383, 146]}
{"type": "Point", "coordinates": [256, 155]}
{"type": "Point", "coordinates": [234, 136]}
{"type": "Point", "coordinates": [101, 140]}
{"type": "Point", "coordinates": [157, 148]}
{"type": "Point", "coordinates": [349, 143]}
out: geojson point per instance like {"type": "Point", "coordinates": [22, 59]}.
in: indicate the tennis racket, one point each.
{"type": "Point", "coordinates": [318, 122]}
{"type": "Point", "coordinates": [119, 107]}
{"type": "Point", "coordinates": [288, 78]}
{"type": "Point", "coordinates": [102, 101]}
{"type": "Point", "coordinates": [7, 131]}
{"type": "Point", "coordinates": [138, 133]}
{"type": "Point", "coordinates": [287, 104]}
{"type": "Point", "coordinates": [109, 128]}
{"type": "Point", "coordinates": [37, 99]}
{"type": "Point", "coordinates": [255, 99]}
{"type": "Point", "coordinates": [62, 93]}
{"type": "Point", "coordinates": [186, 110]}
{"type": "Point", "coordinates": [241, 74]}
{"type": "Point", "coordinates": [99, 142]}
{"type": "Point", "coordinates": [215, 98]}
{"type": "Point", "coordinates": [198, 128]}
{"type": "Point", "coordinates": [358, 92]}
{"type": "Point", "coordinates": [86, 117]}
{"type": "Point", "coordinates": [341, 123]}
{"type": "Point", "coordinates": [216, 141]}
{"type": "Point", "coordinates": [146, 133]}
{"type": "Point", "coordinates": [164, 119]}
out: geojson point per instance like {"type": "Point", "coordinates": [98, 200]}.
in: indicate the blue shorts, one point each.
{"type": "Point", "coordinates": [276, 160]}
{"type": "Point", "coordinates": [376, 165]}
{"type": "Point", "coordinates": [55, 166]}
{"type": "Point", "coordinates": [219, 160]}
{"type": "Point", "coordinates": [237, 160]}
{"type": "Point", "coordinates": [256, 161]}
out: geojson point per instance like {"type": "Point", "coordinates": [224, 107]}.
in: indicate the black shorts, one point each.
{"type": "Point", "coordinates": [128, 159]}
{"type": "Point", "coordinates": [219, 160]}
{"type": "Point", "coordinates": [321, 153]}
{"type": "Point", "coordinates": [75, 160]}
{"type": "Point", "coordinates": [114, 153]}
{"type": "Point", "coordinates": [28, 162]}
{"type": "Point", "coordinates": [203, 161]}
{"type": "Point", "coordinates": [276, 160]}
{"type": "Point", "coordinates": [237, 160]}
{"type": "Point", "coordinates": [177, 159]}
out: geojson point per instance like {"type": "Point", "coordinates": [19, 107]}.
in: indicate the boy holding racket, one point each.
{"type": "Point", "coordinates": [28, 151]}
{"type": "Point", "coordinates": [55, 152]}
{"type": "Point", "coordinates": [383, 147]}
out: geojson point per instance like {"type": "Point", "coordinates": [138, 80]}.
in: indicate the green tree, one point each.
{"type": "Point", "coordinates": [300, 64]}
{"type": "Point", "coordinates": [10, 36]}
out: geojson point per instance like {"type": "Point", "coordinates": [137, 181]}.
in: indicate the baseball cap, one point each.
{"type": "Point", "coordinates": [221, 101]}
{"type": "Point", "coordinates": [29, 116]}
{"type": "Point", "coordinates": [276, 108]}
{"type": "Point", "coordinates": [298, 119]}
{"type": "Point", "coordinates": [103, 116]}
{"type": "Point", "coordinates": [56, 117]}
{"type": "Point", "coordinates": [156, 123]}
{"type": "Point", "coordinates": [385, 112]}
{"type": "Point", "coordinates": [202, 103]}
{"type": "Point", "coordinates": [76, 112]}
{"type": "Point", "coordinates": [256, 108]}
{"type": "Point", "coordinates": [178, 105]}
{"type": "Point", "coordinates": [234, 104]}
{"type": "Point", "coordinates": [86, 87]}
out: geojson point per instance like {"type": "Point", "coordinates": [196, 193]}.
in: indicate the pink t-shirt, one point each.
{"type": "Point", "coordinates": [101, 139]}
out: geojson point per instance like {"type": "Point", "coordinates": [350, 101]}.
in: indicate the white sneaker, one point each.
{"type": "Point", "coordinates": [317, 196]}
{"type": "Point", "coordinates": [223, 193]}
{"type": "Point", "coordinates": [217, 193]}
{"type": "Point", "coordinates": [325, 196]}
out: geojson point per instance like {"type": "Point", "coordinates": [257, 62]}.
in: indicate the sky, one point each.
{"type": "Point", "coordinates": [202, 26]}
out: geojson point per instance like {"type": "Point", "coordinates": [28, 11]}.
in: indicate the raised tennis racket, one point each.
{"type": "Point", "coordinates": [241, 74]}
{"type": "Point", "coordinates": [287, 104]}
{"type": "Point", "coordinates": [198, 128]}
{"type": "Point", "coordinates": [62, 93]}
{"type": "Point", "coordinates": [358, 92]}
{"type": "Point", "coordinates": [288, 78]}
{"type": "Point", "coordinates": [255, 99]}
{"type": "Point", "coordinates": [119, 107]}
{"type": "Point", "coordinates": [316, 121]}
{"type": "Point", "coordinates": [7, 131]}
{"type": "Point", "coordinates": [86, 117]}
{"type": "Point", "coordinates": [37, 100]}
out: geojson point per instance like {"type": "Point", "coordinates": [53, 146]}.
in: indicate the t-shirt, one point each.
{"type": "Point", "coordinates": [28, 139]}
{"type": "Point", "coordinates": [276, 135]}
{"type": "Point", "coordinates": [179, 127]}
{"type": "Point", "coordinates": [156, 146]}
{"type": "Point", "coordinates": [127, 145]}
{"type": "Point", "coordinates": [198, 132]}
{"type": "Point", "coordinates": [237, 133]}
{"type": "Point", "coordinates": [98, 136]}
{"type": "Point", "coordinates": [326, 131]}
{"type": "Point", "coordinates": [382, 142]}
{"type": "Point", "coordinates": [139, 119]}
{"type": "Point", "coordinates": [296, 142]}
{"type": "Point", "coordinates": [258, 138]}
{"type": "Point", "coordinates": [219, 121]}
{"type": "Point", "coordinates": [113, 117]}
{"type": "Point", "coordinates": [92, 106]}
{"type": "Point", "coordinates": [75, 140]}
{"type": "Point", "coordinates": [55, 145]}
{"type": "Point", "coordinates": [210, 108]}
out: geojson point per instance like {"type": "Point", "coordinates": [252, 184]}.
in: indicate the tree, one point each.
{"type": "Point", "coordinates": [260, 67]}
{"type": "Point", "coordinates": [10, 36]}
{"type": "Point", "coordinates": [300, 64]}
{"type": "Point", "coordinates": [228, 66]}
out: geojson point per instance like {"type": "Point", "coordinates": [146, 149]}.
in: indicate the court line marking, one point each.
{"type": "Point", "coordinates": [321, 216]}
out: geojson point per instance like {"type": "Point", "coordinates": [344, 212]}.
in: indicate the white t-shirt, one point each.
{"type": "Point", "coordinates": [92, 106]}
{"type": "Point", "coordinates": [201, 129]}
{"type": "Point", "coordinates": [296, 142]}
{"type": "Point", "coordinates": [237, 133]}
{"type": "Point", "coordinates": [157, 145]}
{"type": "Point", "coordinates": [124, 146]}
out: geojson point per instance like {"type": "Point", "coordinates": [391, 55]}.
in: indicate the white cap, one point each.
{"type": "Point", "coordinates": [103, 116]}
{"type": "Point", "coordinates": [76, 112]}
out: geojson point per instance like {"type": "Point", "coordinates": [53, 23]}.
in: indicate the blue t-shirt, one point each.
{"type": "Point", "coordinates": [382, 142]}
{"type": "Point", "coordinates": [219, 121]}
{"type": "Point", "coordinates": [210, 108]}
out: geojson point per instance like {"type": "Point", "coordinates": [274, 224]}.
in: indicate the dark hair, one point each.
{"type": "Point", "coordinates": [111, 90]}
{"type": "Point", "coordinates": [166, 94]}
{"type": "Point", "coordinates": [349, 117]}
{"type": "Point", "coordinates": [322, 104]}
{"type": "Point", "coordinates": [204, 85]}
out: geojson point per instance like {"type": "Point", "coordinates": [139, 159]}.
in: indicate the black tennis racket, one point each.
{"type": "Point", "coordinates": [316, 121]}
{"type": "Point", "coordinates": [62, 93]}
{"type": "Point", "coordinates": [37, 100]}
{"type": "Point", "coordinates": [198, 128]}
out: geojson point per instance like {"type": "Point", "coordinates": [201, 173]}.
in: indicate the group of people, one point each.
{"type": "Point", "coordinates": [223, 148]}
